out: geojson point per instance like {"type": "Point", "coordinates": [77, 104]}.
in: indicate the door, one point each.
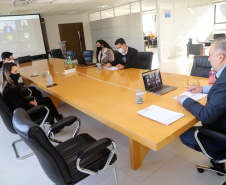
{"type": "Point", "coordinates": [74, 35]}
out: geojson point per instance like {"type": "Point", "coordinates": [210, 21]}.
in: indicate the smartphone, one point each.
{"type": "Point", "coordinates": [51, 85]}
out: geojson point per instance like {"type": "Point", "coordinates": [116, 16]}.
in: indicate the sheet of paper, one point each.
{"type": "Point", "coordinates": [160, 115]}
{"type": "Point", "coordinates": [196, 97]}
{"type": "Point", "coordinates": [112, 68]}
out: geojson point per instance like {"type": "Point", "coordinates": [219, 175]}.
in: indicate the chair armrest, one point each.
{"type": "Point", "coordinates": [94, 148]}
{"type": "Point", "coordinates": [29, 98]}
{"type": "Point", "coordinates": [62, 123]}
{"type": "Point", "coordinates": [35, 109]}
{"type": "Point", "coordinates": [212, 133]}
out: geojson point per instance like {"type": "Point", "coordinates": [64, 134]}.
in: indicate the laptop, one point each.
{"type": "Point", "coordinates": [153, 82]}
{"type": "Point", "coordinates": [81, 60]}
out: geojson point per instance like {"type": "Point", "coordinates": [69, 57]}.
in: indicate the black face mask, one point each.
{"type": "Point", "coordinates": [15, 77]}
{"type": "Point", "coordinates": [99, 48]}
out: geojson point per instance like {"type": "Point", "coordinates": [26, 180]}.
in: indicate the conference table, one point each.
{"type": "Point", "coordinates": [109, 96]}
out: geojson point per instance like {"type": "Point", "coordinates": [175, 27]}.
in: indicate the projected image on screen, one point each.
{"type": "Point", "coordinates": [21, 35]}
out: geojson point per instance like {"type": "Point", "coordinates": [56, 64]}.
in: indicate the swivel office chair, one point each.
{"type": "Point", "coordinates": [57, 53]}
{"type": "Point", "coordinates": [222, 157]}
{"type": "Point", "coordinates": [145, 60]}
{"type": "Point", "coordinates": [71, 161]}
{"type": "Point", "coordinates": [71, 54]}
{"type": "Point", "coordinates": [88, 56]}
{"type": "Point", "coordinates": [24, 59]}
{"type": "Point", "coordinates": [7, 115]}
{"type": "Point", "coordinates": [201, 66]}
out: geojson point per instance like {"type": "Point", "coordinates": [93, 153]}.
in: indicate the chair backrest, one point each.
{"type": "Point", "coordinates": [1, 63]}
{"type": "Point", "coordinates": [24, 59]}
{"type": "Point", "coordinates": [216, 35]}
{"type": "Point", "coordinates": [145, 60]}
{"type": "Point", "coordinates": [71, 54]}
{"type": "Point", "coordinates": [201, 66]}
{"type": "Point", "coordinates": [49, 158]}
{"type": "Point", "coordinates": [57, 53]}
{"type": "Point", "coordinates": [88, 56]}
{"type": "Point", "coordinates": [147, 37]}
{"type": "Point", "coordinates": [6, 115]}
{"type": "Point", "coordinates": [37, 57]}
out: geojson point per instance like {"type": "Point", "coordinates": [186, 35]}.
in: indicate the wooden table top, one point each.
{"type": "Point", "coordinates": [109, 96]}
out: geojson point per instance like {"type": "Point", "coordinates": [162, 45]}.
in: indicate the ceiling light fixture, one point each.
{"type": "Point", "coordinates": [20, 3]}
{"type": "Point", "coordinates": [103, 6]}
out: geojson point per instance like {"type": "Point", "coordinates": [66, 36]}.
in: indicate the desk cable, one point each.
{"type": "Point", "coordinates": [106, 82]}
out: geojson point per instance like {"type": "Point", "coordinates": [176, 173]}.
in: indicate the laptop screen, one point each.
{"type": "Point", "coordinates": [152, 79]}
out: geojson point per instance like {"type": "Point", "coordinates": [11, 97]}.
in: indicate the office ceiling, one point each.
{"type": "Point", "coordinates": [58, 7]}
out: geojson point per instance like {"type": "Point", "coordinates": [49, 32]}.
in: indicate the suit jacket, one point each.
{"type": "Point", "coordinates": [131, 56]}
{"type": "Point", "coordinates": [212, 115]}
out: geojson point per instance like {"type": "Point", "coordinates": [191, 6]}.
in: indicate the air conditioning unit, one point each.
{"type": "Point", "coordinates": [21, 3]}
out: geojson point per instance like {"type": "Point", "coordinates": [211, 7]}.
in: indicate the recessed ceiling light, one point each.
{"type": "Point", "coordinates": [73, 12]}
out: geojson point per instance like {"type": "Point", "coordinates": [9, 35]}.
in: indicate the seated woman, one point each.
{"type": "Point", "coordinates": [13, 95]}
{"type": "Point", "coordinates": [104, 53]}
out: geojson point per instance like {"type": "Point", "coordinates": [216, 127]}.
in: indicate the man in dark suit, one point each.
{"type": "Point", "coordinates": [126, 58]}
{"type": "Point", "coordinates": [213, 114]}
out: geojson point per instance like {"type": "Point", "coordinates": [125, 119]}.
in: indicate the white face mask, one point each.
{"type": "Point", "coordinates": [120, 50]}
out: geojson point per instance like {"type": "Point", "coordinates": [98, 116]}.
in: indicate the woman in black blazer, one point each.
{"type": "Point", "coordinates": [13, 95]}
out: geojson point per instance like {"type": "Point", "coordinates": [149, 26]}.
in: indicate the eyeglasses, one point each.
{"type": "Point", "coordinates": [190, 83]}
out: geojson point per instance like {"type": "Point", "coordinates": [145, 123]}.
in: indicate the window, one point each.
{"type": "Point", "coordinates": [135, 7]}
{"type": "Point", "coordinates": [122, 10]}
{"type": "Point", "coordinates": [94, 16]}
{"type": "Point", "coordinates": [220, 13]}
{"type": "Point", "coordinates": [107, 13]}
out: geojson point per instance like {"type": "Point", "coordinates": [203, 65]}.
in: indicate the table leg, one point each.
{"type": "Point", "coordinates": [55, 100]}
{"type": "Point", "coordinates": [137, 153]}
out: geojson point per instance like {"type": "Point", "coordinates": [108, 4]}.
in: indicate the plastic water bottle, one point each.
{"type": "Point", "coordinates": [49, 56]}
{"type": "Point", "coordinates": [49, 79]}
{"type": "Point", "coordinates": [69, 62]}
{"type": "Point", "coordinates": [211, 76]}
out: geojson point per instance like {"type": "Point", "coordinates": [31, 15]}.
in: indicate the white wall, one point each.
{"type": "Point", "coordinates": [188, 19]}
{"type": "Point", "coordinates": [53, 30]}
{"type": "Point", "coordinates": [125, 26]}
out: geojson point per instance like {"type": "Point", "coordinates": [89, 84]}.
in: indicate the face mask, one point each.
{"type": "Point", "coordinates": [120, 50]}
{"type": "Point", "coordinates": [99, 48]}
{"type": "Point", "coordinates": [10, 61]}
{"type": "Point", "coordinates": [15, 77]}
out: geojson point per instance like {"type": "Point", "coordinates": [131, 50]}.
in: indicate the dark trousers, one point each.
{"type": "Point", "coordinates": [48, 102]}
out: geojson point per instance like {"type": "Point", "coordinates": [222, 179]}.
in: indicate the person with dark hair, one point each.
{"type": "Point", "coordinates": [104, 53]}
{"type": "Point", "coordinates": [127, 56]}
{"type": "Point", "coordinates": [7, 57]}
{"type": "Point", "coordinates": [13, 95]}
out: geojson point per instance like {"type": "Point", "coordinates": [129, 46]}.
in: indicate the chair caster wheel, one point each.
{"type": "Point", "coordinates": [200, 170]}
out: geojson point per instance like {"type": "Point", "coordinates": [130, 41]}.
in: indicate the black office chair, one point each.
{"type": "Point", "coordinates": [71, 161]}
{"type": "Point", "coordinates": [57, 53]}
{"type": "Point", "coordinates": [201, 66]}
{"type": "Point", "coordinates": [24, 59]}
{"type": "Point", "coordinates": [71, 54]}
{"type": "Point", "coordinates": [38, 57]}
{"type": "Point", "coordinates": [145, 60]}
{"type": "Point", "coordinates": [88, 56]}
{"type": "Point", "coordinates": [7, 115]}
{"type": "Point", "coordinates": [147, 41]}
{"type": "Point", "coordinates": [215, 135]}
{"type": "Point", "coordinates": [154, 41]}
